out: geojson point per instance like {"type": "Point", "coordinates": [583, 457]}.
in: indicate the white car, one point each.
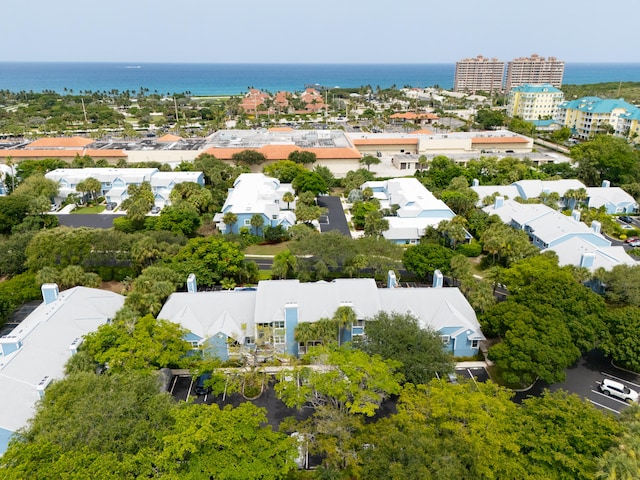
{"type": "Point", "coordinates": [618, 390]}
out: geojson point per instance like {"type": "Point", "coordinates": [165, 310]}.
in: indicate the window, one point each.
{"type": "Point", "coordinates": [445, 339]}
{"type": "Point", "coordinates": [194, 343]}
{"type": "Point", "coordinates": [475, 343]}
{"type": "Point", "coordinates": [247, 222]}
{"type": "Point", "coordinates": [278, 324]}
{"type": "Point", "coordinates": [278, 339]}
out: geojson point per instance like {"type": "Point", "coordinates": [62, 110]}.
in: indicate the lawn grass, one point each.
{"type": "Point", "coordinates": [94, 209]}
{"type": "Point", "coordinates": [266, 249]}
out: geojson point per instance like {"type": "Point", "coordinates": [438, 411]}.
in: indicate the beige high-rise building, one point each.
{"type": "Point", "coordinates": [534, 70]}
{"type": "Point", "coordinates": [479, 73]}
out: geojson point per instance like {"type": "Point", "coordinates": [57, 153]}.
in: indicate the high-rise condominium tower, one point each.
{"type": "Point", "coordinates": [534, 70]}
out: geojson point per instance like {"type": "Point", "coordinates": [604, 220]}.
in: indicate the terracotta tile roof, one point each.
{"type": "Point", "coordinates": [422, 131]}
{"type": "Point", "coordinates": [68, 153]}
{"type": "Point", "coordinates": [281, 129]}
{"type": "Point", "coordinates": [60, 142]}
{"type": "Point", "coordinates": [281, 152]}
{"type": "Point", "coordinates": [415, 116]}
{"type": "Point", "coordinates": [92, 152]}
{"type": "Point", "coordinates": [485, 140]}
{"type": "Point", "coordinates": [168, 138]}
{"type": "Point", "coordinates": [385, 141]}
{"type": "Point", "coordinates": [281, 99]}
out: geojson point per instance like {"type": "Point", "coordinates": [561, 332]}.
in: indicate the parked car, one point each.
{"type": "Point", "coordinates": [632, 239]}
{"type": "Point", "coordinates": [634, 244]}
{"type": "Point", "coordinates": [618, 390]}
{"type": "Point", "coordinates": [201, 389]}
{"type": "Point", "coordinates": [155, 209]}
{"type": "Point", "coordinates": [111, 205]}
{"type": "Point", "coordinates": [625, 219]}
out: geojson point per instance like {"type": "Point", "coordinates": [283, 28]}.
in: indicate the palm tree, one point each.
{"type": "Point", "coordinates": [284, 263]}
{"type": "Point", "coordinates": [288, 197]}
{"type": "Point", "coordinates": [257, 221]}
{"type": "Point", "coordinates": [343, 317]}
{"type": "Point", "coordinates": [229, 219]}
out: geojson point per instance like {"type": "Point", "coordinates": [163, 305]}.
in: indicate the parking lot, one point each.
{"type": "Point", "coordinates": [584, 379]}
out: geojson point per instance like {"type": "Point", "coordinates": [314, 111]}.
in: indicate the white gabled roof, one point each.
{"type": "Point", "coordinates": [412, 197]}
{"type": "Point", "coordinates": [571, 251]}
{"type": "Point", "coordinates": [506, 191]}
{"type": "Point", "coordinates": [410, 228]}
{"type": "Point", "coordinates": [256, 193]}
{"type": "Point", "coordinates": [599, 196]}
{"type": "Point", "coordinates": [208, 313]}
{"type": "Point", "coordinates": [46, 335]}
{"type": "Point", "coordinates": [521, 213]}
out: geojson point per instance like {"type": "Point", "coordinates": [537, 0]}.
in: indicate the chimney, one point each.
{"type": "Point", "coordinates": [606, 184]}
{"type": "Point", "coordinates": [50, 292]}
{"type": "Point", "coordinates": [596, 226]}
{"type": "Point", "coordinates": [475, 182]}
{"type": "Point", "coordinates": [73, 347]}
{"type": "Point", "coordinates": [192, 286]}
{"type": "Point", "coordinates": [576, 215]}
{"type": "Point", "coordinates": [392, 282]}
{"type": "Point", "coordinates": [498, 203]}
{"type": "Point", "coordinates": [587, 259]}
{"type": "Point", "coordinates": [437, 279]}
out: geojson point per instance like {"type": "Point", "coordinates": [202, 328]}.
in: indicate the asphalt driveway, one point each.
{"type": "Point", "coordinates": [584, 379]}
{"type": "Point", "coordinates": [91, 220]}
{"type": "Point", "coordinates": [335, 218]}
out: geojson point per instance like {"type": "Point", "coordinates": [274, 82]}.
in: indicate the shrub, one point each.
{"type": "Point", "coordinates": [473, 249]}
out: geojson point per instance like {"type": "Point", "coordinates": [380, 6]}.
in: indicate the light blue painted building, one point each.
{"type": "Point", "coordinates": [256, 193]}
{"type": "Point", "coordinates": [227, 323]}
{"type": "Point", "coordinates": [115, 181]}
{"type": "Point", "coordinates": [417, 209]}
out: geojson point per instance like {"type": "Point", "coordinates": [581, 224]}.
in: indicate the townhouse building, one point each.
{"type": "Point", "coordinates": [263, 320]}
{"type": "Point", "coordinates": [257, 194]}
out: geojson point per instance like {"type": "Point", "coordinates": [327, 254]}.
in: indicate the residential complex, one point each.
{"type": "Point", "coordinates": [35, 352]}
{"type": "Point", "coordinates": [236, 322]}
{"type": "Point", "coordinates": [256, 194]}
{"type": "Point", "coordinates": [479, 73]}
{"type": "Point", "coordinates": [534, 102]}
{"type": "Point", "coordinates": [589, 116]}
{"type": "Point", "coordinates": [573, 241]}
{"type": "Point", "coordinates": [534, 69]}
{"type": "Point", "coordinates": [115, 182]}
{"type": "Point", "coordinates": [614, 200]}
{"type": "Point", "coordinates": [417, 209]}
{"type": "Point", "coordinates": [486, 74]}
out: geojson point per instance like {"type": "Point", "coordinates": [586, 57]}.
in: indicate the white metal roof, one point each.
{"type": "Point", "coordinates": [46, 336]}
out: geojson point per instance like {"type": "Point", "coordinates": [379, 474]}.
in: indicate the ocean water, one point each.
{"type": "Point", "coordinates": [233, 79]}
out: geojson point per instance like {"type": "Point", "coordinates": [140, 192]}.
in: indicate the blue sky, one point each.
{"type": "Point", "coordinates": [329, 31]}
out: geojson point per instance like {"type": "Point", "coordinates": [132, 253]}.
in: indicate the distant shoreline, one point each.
{"type": "Point", "coordinates": [230, 79]}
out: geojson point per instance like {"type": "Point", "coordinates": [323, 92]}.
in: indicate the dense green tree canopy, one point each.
{"type": "Point", "coordinates": [211, 259]}
{"type": "Point", "coordinates": [248, 158]}
{"type": "Point", "coordinates": [303, 157]}
{"type": "Point", "coordinates": [309, 182]}
{"type": "Point", "coordinates": [284, 170]}
{"type": "Point", "coordinates": [147, 345]}
{"type": "Point", "coordinates": [606, 157]}
{"type": "Point", "coordinates": [120, 426]}
{"type": "Point", "coordinates": [399, 337]}
{"type": "Point", "coordinates": [425, 258]}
